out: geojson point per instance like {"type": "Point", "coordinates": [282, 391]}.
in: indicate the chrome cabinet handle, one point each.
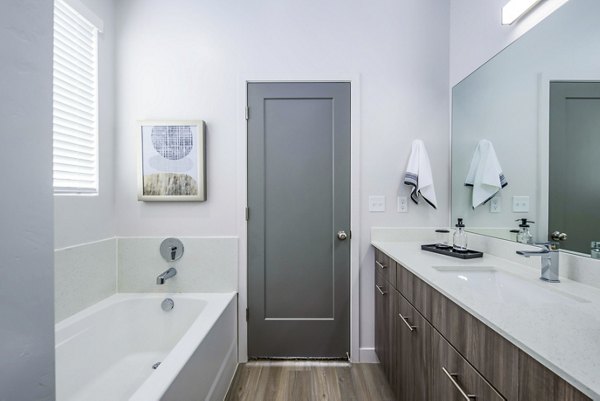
{"type": "Point", "coordinates": [380, 265]}
{"type": "Point", "coordinates": [451, 376]}
{"type": "Point", "coordinates": [342, 235]}
{"type": "Point", "coordinates": [407, 323]}
{"type": "Point", "coordinates": [380, 289]}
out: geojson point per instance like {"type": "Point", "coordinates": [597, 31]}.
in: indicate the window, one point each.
{"type": "Point", "coordinates": [75, 102]}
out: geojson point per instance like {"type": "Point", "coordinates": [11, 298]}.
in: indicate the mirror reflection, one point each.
{"type": "Point", "coordinates": [526, 135]}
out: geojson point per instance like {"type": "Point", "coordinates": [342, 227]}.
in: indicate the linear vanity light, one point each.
{"type": "Point", "coordinates": [514, 9]}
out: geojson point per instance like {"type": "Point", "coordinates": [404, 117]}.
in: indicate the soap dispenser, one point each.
{"type": "Point", "coordinates": [524, 235]}
{"type": "Point", "coordinates": [459, 242]}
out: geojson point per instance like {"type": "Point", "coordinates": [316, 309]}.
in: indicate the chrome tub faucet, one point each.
{"type": "Point", "coordinates": [549, 259]}
{"type": "Point", "coordinates": [164, 276]}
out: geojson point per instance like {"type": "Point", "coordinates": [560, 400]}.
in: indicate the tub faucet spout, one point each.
{"type": "Point", "coordinates": [164, 276]}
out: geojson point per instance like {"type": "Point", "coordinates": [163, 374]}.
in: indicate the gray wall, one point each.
{"type": "Point", "coordinates": [26, 232]}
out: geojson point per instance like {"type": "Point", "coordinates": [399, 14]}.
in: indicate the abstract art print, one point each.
{"type": "Point", "coordinates": [171, 161]}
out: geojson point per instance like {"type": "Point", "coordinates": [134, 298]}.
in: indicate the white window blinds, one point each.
{"type": "Point", "coordinates": [75, 102]}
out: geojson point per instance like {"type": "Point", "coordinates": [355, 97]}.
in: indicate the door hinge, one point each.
{"type": "Point", "coordinates": [247, 113]}
{"type": "Point", "coordinates": [247, 314]}
{"type": "Point", "coordinates": [247, 213]}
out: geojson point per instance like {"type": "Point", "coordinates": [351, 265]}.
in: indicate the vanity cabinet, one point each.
{"type": "Point", "coordinates": [433, 350]}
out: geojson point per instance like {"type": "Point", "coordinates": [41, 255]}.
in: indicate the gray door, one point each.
{"type": "Point", "coordinates": [298, 199]}
{"type": "Point", "coordinates": [575, 163]}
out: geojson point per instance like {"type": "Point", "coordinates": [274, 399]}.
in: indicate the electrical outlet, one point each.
{"type": "Point", "coordinates": [520, 204]}
{"type": "Point", "coordinates": [376, 203]}
{"type": "Point", "coordinates": [402, 204]}
{"type": "Point", "coordinates": [495, 205]}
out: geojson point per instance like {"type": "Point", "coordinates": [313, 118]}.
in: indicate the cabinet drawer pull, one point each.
{"type": "Point", "coordinates": [381, 291]}
{"type": "Point", "coordinates": [407, 323]}
{"type": "Point", "coordinates": [451, 376]}
{"type": "Point", "coordinates": [381, 266]}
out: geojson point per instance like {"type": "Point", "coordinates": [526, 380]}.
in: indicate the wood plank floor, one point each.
{"type": "Point", "coordinates": [308, 381]}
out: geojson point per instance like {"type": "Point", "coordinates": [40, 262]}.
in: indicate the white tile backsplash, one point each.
{"type": "Point", "coordinates": [209, 264]}
{"type": "Point", "coordinates": [88, 273]}
{"type": "Point", "coordinates": [84, 275]}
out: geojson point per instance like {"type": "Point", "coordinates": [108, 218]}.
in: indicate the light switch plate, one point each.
{"type": "Point", "coordinates": [520, 204]}
{"type": "Point", "coordinates": [495, 205]}
{"type": "Point", "coordinates": [402, 204]}
{"type": "Point", "coordinates": [376, 203]}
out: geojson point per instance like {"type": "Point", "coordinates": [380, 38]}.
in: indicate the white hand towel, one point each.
{"type": "Point", "coordinates": [485, 174]}
{"type": "Point", "coordinates": [418, 174]}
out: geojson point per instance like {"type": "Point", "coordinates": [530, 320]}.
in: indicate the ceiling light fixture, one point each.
{"type": "Point", "coordinates": [514, 9]}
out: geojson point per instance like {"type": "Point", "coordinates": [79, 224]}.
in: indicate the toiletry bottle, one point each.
{"type": "Point", "coordinates": [524, 236]}
{"type": "Point", "coordinates": [596, 249]}
{"type": "Point", "coordinates": [460, 237]}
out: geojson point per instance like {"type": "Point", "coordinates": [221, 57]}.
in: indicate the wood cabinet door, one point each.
{"type": "Point", "coordinates": [382, 322]}
{"type": "Point", "coordinates": [538, 383]}
{"type": "Point", "coordinates": [412, 351]}
{"type": "Point", "coordinates": [454, 379]}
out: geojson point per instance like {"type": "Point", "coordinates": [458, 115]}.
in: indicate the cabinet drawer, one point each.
{"type": "Point", "coordinates": [386, 266]}
{"type": "Point", "coordinates": [492, 355]}
{"type": "Point", "coordinates": [454, 379]}
{"type": "Point", "coordinates": [536, 382]}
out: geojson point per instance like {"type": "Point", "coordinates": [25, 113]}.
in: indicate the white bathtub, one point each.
{"type": "Point", "coordinates": [106, 352]}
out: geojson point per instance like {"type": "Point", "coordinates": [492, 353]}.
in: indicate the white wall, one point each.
{"type": "Point", "coordinates": [187, 59]}
{"type": "Point", "coordinates": [81, 219]}
{"type": "Point", "coordinates": [476, 32]}
{"type": "Point", "coordinates": [26, 237]}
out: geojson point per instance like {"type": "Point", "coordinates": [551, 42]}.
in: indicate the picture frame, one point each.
{"type": "Point", "coordinates": [171, 160]}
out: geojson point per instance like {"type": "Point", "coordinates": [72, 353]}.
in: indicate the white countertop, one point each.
{"type": "Point", "coordinates": [558, 324]}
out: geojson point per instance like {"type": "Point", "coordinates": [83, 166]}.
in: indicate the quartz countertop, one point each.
{"type": "Point", "coordinates": [558, 324]}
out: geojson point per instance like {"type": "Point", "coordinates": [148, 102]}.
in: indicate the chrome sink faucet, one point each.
{"type": "Point", "coordinates": [549, 259]}
{"type": "Point", "coordinates": [164, 276]}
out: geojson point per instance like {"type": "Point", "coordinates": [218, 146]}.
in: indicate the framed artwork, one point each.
{"type": "Point", "coordinates": [171, 161]}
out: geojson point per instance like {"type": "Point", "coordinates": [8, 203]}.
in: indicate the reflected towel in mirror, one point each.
{"type": "Point", "coordinates": [485, 174]}
{"type": "Point", "coordinates": [418, 175]}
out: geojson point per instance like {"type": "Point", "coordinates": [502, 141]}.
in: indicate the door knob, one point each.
{"type": "Point", "coordinates": [558, 236]}
{"type": "Point", "coordinates": [342, 235]}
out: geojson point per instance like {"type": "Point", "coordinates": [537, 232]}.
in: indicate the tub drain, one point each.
{"type": "Point", "coordinates": [167, 304]}
{"type": "Point", "coordinates": [156, 365]}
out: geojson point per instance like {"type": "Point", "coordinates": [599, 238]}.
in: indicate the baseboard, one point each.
{"type": "Point", "coordinates": [367, 355]}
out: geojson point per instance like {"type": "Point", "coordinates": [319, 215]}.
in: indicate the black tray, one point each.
{"type": "Point", "coordinates": [468, 254]}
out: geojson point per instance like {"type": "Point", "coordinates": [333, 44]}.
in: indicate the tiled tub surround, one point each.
{"type": "Point", "coordinates": [207, 265]}
{"type": "Point", "coordinates": [87, 273]}
{"type": "Point", "coordinates": [563, 335]}
{"type": "Point", "coordinates": [107, 351]}
{"type": "Point", "coordinates": [83, 275]}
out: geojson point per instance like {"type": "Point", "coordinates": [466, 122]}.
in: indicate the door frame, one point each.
{"type": "Point", "coordinates": [242, 196]}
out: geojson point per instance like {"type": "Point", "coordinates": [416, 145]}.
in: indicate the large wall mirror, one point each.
{"type": "Point", "coordinates": [536, 107]}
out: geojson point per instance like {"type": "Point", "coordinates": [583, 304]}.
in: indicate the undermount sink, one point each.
{"type": "Point", "coordinates": [504, 287]}
{"type": "Point", "coordinates": [468, 268]}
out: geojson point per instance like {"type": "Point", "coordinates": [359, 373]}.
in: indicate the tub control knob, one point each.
{"type": "Point", "coordinates": [171, 249]}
